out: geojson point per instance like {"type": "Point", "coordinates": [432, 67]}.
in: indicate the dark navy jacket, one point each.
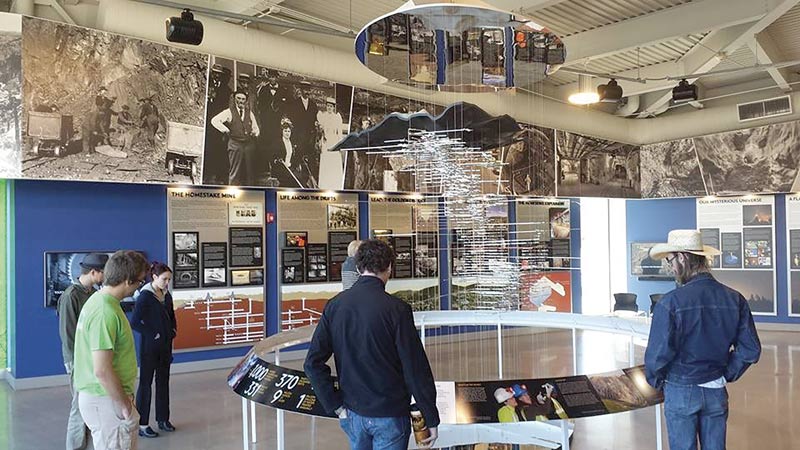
{"type": "Point", "coordinates": [379, 358]}
{"type": "Point", "coordinates": [156, 323]}
{"type": "Point", "coordinates": [701, 331]}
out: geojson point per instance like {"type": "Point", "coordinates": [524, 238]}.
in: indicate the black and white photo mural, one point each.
{"type": "Point", "coordinates": [272, 128]}
{"type": "Point", "coordinates": [104, 107]}
{"type": "Point", "coordinates": [671, 169]}
{"type": "Point", "coordinates": [592, 167]}
{"type": "Point", "coordinates": [10, 100]}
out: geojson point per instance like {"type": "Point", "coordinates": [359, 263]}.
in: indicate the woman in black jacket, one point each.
{"type": "Point", "coordinates": [154, 318]}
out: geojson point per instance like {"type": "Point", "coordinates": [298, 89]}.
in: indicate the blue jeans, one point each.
{"type": "Point", "coordinates": [376, 433]}
{"type": "Point", "coordinates": [692, 412]}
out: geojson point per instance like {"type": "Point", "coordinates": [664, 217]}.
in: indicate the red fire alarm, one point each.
{"type": "Point", "coordinates": [270, 217]}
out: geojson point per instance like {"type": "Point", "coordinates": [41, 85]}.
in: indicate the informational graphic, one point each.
{"type": "Point", "coordinates": [222, 316]}
{"type": "Point", "coordinates": [546, 291]}
{"type": "Point", "coordinates": [337, 251]}
{"type": "Point", "coordinates": [404, 257]}
{"type": "Point", "coordinates": [292, 263]}
{"type": "Point", "coordinates": [61, 270]}
{"type": "Point", "coordinates": [295, 238]}
{"type": "Point", "coordinates": [426, 254]}
{"type": "Point", "coordinates": [245, 213]}
{"type": "Point", "coordinates": [466, 402]}
{"type": "Point", "coordinates": [316, 262]}
{"type": "Point", "coordinates": [216, 302]}
{"type": "Point", "coordinates": [743, 229]}
{"type": "Point", "coordinates": [793, 244]}
{"type": "Point", "coordinates": [543, 234]}
{"type": "Point", "coordinates": [215, 263]}
{"type": "Point", "coordinates": [247, 246]}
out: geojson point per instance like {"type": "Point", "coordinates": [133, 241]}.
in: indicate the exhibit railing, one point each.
{"type": "Point", "coordinates": [260, 381]}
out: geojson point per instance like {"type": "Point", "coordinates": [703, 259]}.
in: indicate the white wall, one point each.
{"type": "Point", "coordinates": [603, 254]}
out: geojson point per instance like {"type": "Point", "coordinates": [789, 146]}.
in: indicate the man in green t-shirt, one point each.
{"type": "Point", "coordinates": [105, 358]}
{"type": "Point", "coordinates": [70, 304]}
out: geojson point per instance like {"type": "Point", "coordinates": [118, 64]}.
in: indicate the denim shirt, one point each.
{"type": "Point", "coordinates": [700, 332]}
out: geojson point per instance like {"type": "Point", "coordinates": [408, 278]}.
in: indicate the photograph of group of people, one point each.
{"type": "Point", "coordinates": [270, 128]}
{"type": "Point", "coordinates": [518, 404]}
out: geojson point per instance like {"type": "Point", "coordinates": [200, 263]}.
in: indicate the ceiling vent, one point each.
{"type": "Point", "coordinates": [772, 107]}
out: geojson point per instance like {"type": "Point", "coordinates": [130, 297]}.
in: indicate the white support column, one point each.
{"type": "Point", "coordinates": [422, 333]}
{"type": "Point", "coordinates": [279, 436]}
{"type": "Point", "coordinates": [659, 443]}
{"type": "Point", "coordinates": [631, 352]}
{"type": "Point", "coordinates": [253, 436]}
{"type": "Point", "coordinates": [245, 431]}
{"type": "Point", "coordinates": [500, 350]}
{"type": "Point", "coordinates": [564, 435]}
{"type": "Point", "coordinates": [574, 351]}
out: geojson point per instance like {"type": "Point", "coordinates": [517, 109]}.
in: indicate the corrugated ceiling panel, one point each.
{"type": "Point", "coordinates": [575, 16]}
{"type": "Point", "coordinates": [786, 33]}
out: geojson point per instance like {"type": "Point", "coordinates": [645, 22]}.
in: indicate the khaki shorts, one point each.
{"type": "Point", "coordinates": [109, 430]}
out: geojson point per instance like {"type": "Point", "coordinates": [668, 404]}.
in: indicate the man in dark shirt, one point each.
{"type": "Point", "coordinates": [379, 359]}
{"type": "Point", "coordinates": [701, 338]}
{"type": "Point", "coordinates": [70, 304]}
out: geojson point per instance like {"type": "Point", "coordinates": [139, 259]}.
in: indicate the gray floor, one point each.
{"type": "Point", "coordinates": [207, 413]}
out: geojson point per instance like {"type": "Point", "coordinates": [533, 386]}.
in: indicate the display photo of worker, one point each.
{"type": "Point", "coordinates": [128, 111]}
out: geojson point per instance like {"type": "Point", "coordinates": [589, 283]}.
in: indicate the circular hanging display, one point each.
{"type": "Point", "coordinates": [462, 46]}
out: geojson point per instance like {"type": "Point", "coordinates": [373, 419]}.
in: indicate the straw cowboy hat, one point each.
{"type": "Point", "coordinates": [688, 241]}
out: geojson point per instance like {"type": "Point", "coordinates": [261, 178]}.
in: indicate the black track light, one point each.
{"type": "Point", "coordinates": [184, 29]}
{"type": "Point", "coordinates": [684, 92]}
{"type": "Point", "coordinates": [610, 92]}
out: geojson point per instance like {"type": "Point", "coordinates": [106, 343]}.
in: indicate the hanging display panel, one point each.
{"type": "Point", "coordinates": [743, 228]}
{"type": "Point", "coordinates": [215, 305]}
{"type": "Point", "coordinates": [409, 224]}
{"type": "Point", "coordinates": [544, 254]}
{"type": "Point", "coordinates": [104, 107]}
{"type": "Point", "coordinates": [793, 244]}
{"type": "Point", "coordinates": [315, 229]}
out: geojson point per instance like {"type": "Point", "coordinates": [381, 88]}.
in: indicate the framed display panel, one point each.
{"type": "Point", "coordinates": [793, 252]}
{"type": "Point", "coordinates": [743, 228]}
{"type": "Point", "coordinates": [61, 270]}
{"type": "Point", "coordinates": [220, 299]}
{"type": "Point", "coordinates": [646, 268]}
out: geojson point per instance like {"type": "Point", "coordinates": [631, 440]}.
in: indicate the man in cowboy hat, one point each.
{"type": "Point", "coordinates": [702, 337]}
{"type": "Point", "coordinates": [70, 304]}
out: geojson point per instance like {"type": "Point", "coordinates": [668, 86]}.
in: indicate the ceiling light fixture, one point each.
{"type": "Point", "coordinates": [586, 94]}
{"type": "Point", "coordinates": [684, 92]}
{"type": "Point", "coordinates": [184, 29]}
{"type": "Point", "coordinates": [610, 92]}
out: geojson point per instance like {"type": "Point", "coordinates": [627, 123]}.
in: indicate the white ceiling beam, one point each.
{"type": "Point", "coordinates": [691, 62]}
{"type": "Point", "coordinates": [689, 18]}
{"type": "Point", "coordinates": [58, 9]}
{"type": "Point", "coordinates": [767, 52]}
{"type": "Point", "coordinates": [708, 63]}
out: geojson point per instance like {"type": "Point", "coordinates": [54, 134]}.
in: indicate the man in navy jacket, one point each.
{"type": "Point", "coordinates": [379, 359]}
{"type": "Point", "coordinates": [701, 338]}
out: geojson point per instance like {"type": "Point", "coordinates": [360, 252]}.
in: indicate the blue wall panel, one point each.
{"type": "Point", "coordinates": [575, 253]}
{"type": "Point", "coordinates": [650, 221]}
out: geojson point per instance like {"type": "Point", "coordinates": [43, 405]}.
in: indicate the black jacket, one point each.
{"type": "Point", "coordinates": [155, 321]}
{"type": "Point", "coordinates": [379, 358]}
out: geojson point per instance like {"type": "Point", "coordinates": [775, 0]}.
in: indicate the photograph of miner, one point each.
{"type": "Point", "coordinates": [270, 128]}
{"type": "Point", "coordinates": [100, 106]}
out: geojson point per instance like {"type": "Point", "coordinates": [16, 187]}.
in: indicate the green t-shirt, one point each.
{"type": "Point", "coordinates": [103, 326]}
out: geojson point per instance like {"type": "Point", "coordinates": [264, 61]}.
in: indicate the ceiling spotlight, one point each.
{"type": "Point", "coordinates": [684, 92]}
{"type": "Point", "coordinates": [184, 29]}
{"type": "Point", "coordinates": [586, 94]}
{"type": "Point", "coordinates": [610, 92]}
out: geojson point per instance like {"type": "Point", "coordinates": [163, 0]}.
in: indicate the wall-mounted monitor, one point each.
{"type": "Point", "coordinates": [62, 269]}
{"type": "Point", "coordinates": [645, 267]}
